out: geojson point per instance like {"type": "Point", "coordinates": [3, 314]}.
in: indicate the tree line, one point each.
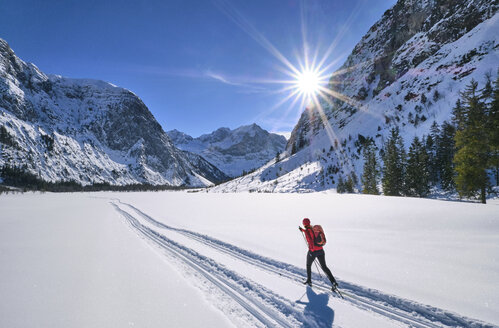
{"type": "Point", "coordinates": [21, 178]}
{"type": "Point", "coordinates": [461, 155]}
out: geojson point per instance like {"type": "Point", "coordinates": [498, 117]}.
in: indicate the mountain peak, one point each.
{"type": "Point", "coordinates": [233, 151]}
{"type": "Point", "coordinates": [87, 131]}
{"type": "Point", "coordinates": [405, 73]}
{"type": "Point", "coordinates": [4, 46]}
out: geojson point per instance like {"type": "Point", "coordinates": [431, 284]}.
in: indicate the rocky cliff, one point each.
{"type": "Point", "coordinates": [88, 131]}
{"type": "Point", "coordinates": [406, 72]}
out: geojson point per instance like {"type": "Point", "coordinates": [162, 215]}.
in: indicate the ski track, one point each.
{"type": "Point", "coordinates": [267, 307]}
{"type": "Point", "coordinates": [405, 311]}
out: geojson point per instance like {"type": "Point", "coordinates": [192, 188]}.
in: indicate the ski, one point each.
{"type": "Point", "coordinates": [337, 291]}
{"type": "Point", "coordinates": [304, 284]}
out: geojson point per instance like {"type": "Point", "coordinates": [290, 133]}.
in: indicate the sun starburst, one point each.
{"type": "Point", "coordinates": [308, 82]}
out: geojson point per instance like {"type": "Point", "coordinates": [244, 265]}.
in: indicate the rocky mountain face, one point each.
{"type": "Point", "coordinates": [406, 72]}
{"type": "Point", "coordinates": [233, 151]}
{"type": "Point", "coordinates": [88, 131]}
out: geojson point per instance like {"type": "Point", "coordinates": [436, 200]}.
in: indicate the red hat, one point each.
{"type": "Point", "coordinates": [306, 222]}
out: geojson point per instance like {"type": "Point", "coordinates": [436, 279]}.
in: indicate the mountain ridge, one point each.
{"type": "Point", "coordinates": [233, 151]}
{"type": "Point", "coordinates": [88, 131]}
{"type": "Point", "coordinates": [405, 73]}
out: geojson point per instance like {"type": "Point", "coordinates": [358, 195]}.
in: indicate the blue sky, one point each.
{"type": "Point", "coordinates": [197, 65]}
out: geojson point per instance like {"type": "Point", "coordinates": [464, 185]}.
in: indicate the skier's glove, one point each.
{"type": "Point", "coordinates": [300, 228]}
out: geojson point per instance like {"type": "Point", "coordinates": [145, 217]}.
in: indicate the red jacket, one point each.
{"type": "Point", "coordinates": [309, 233]}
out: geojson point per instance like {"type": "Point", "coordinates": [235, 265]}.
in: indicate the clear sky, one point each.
{"type": "Point", "coordinates": [197, 65]}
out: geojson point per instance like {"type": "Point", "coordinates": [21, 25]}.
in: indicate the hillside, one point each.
{"type": "Point", "coordinates": [87, 131]}
{"type": "Point", "coordinates": [406, 72]}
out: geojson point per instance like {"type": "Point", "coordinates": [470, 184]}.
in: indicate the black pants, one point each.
{"type": "Point", "coordinates": [322, 260]}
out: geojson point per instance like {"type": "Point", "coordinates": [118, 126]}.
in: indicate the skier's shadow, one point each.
{"type": "Point", "coordinates": [317, 313]}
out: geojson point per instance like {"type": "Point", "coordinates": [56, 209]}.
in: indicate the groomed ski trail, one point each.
{"type": "Point", "coordinates": [407, 312]}
{"type": "Point", "coordinates": [269, 309]}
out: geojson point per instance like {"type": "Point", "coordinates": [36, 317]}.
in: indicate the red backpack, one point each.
{"type": "Point", "coordinates": [319, 236]}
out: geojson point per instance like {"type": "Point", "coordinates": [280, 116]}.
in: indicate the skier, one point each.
{"type": "Point", "coordinates": [315, 251]}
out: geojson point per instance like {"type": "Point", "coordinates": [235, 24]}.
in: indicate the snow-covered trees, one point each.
{"type": "Point", "coordinates": [455, 156]}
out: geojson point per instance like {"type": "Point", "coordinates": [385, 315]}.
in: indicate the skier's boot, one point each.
{"type": "Point", "coordinates": [308, 283]}
{"type": "Point", "coordinates": [335, 286]}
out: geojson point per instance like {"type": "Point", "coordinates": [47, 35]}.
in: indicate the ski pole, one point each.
{"type": "Point", "coordinates": [335, 287]}
{"type": "Point", "coordinates": [316, 266]}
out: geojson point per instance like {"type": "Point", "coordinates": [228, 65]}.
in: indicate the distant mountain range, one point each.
{"type": "Point", "coordinates": [87, 131]}
{"type": "Point", "coordinates": [406, 72]}
{"type": "Point", "coordinates": [233, 151]}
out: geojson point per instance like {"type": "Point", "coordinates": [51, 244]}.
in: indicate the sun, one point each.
{"type": "Point", "coordinates": [308, 83]}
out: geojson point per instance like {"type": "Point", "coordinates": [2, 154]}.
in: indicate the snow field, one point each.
{"type": "Point", "coordinates": [433, 252]}
{"type": "Point", "coordinates": [68, 260]}
{"type": "Point", "coordinates": [272, 286]}
{"type": "Point", "coordinates": [150, 259]}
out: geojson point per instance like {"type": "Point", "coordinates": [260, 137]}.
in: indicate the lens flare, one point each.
{"type": "Point", "coordinates": [308, 83]}
{"type": "Point", "coordinates": [307, 80]}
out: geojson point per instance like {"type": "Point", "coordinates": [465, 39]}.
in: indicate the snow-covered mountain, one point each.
{"type": "Point", "coordinates": [233, 151]}
{"type": "Point", "coordinates": [406, 72]}
{"type": "Point", "coordinates": [86, 130]}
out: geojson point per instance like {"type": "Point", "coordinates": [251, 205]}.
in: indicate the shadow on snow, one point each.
{"type": "Point", "coordinates": [317, 311]}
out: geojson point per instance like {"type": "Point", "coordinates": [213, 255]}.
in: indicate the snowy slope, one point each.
{"type": "Point", "coordinates": [151, 259]}
{"type": "Point", "coordinates": [233, 151]}
{"type": "Point", "coordinates": [406, 72]}
{"type": "Point", "coordinates": [86, 130]}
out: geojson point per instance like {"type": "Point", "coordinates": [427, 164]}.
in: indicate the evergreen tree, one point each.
{"type": "Point", "coordinates": [349, 184]}
{"type": "Point", "coordinates": [340, 187]}
{"type": "Point", "coordinates": [445, 156]}
{"type": "Point", "coordinates": [472, 155]}
{"type": "Point", "coordinates": [393, 165]}
{"type": "Point", "coordinates": [417, 177]}
{"type": "Point", "coordinates": [278, 156]}
{"type": "Point", "coordinates": [355, 179]}
{"type": "Point", "coordinates": [371, 172]}
{"type": "Point", "coordinates": [431, 144]}
{"type": "Point", "coordinates": [487, 93]}
{"type": "Point", "coordinates": [493, 129]}
{"type": "Point", "coordinates": [458, 118]}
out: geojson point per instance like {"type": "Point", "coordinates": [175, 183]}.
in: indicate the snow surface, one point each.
{"type": "Point", "coordinates": [69, 261]}
{"type": "Point", "coordinates": [154, 259]}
